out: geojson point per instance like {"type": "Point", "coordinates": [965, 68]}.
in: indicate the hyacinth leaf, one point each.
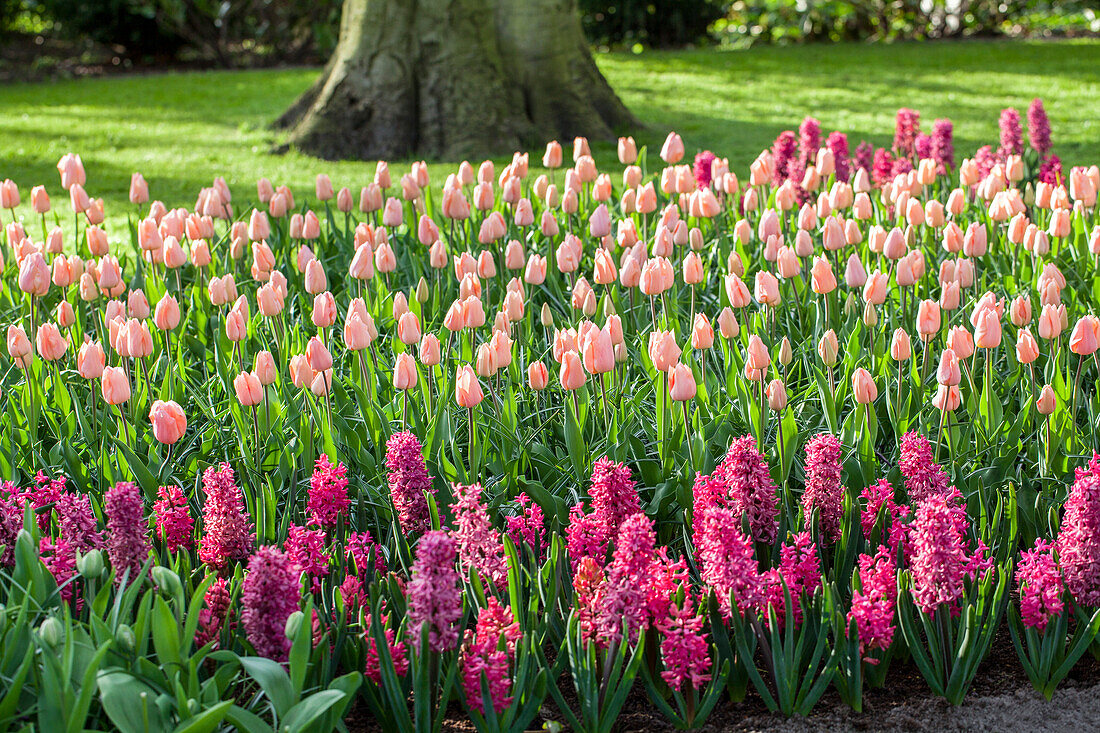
{"type": "Point", "coordinates": [304, 714]}
{"type": "Point", "coordinates": [273, 680]}
{"type": "Point", "coordinates": [206, 721]}
{"type": "Point", "coordinates": [128, 702]}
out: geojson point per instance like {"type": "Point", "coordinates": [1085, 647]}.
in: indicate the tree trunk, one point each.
{"type": "Point", "coordinates": [454, 79]}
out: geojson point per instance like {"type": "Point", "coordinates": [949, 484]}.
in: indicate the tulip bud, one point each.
{"type": "Point", "coordinates": [1047, 401]}
{"type": "Point", "coordinates": [777, 395]}
{"type": "Point", "coordinates": [786, 353]}
{"type": "Point", "coordinates": [547, 317]}
{"type": "Point", "coordinates": [90, 564]}
{"type": "Point", "coordinates": [870, 315]}
{"type": "Point", "coordinates": [50, 631]}
{"type": "Point", "coordinates": [168, 581]}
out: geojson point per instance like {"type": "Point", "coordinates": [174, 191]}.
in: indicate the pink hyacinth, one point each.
{"type": "Point", "coordinates": [864, 158]}
{"type": "Point", "coordinates": [588, 579]}
{"type": "Point", "coordinates": [883, 167]}
{"type": "Point", "coordinates": [784, 152]}
{"type": "Point", "coordinates": [399, 658]}
{"type": "Point", "coordinates": [701, 168]}
{"type": "Point", "coordinates": [623, 595]}
{"type": "Point", "coordinates": [42, 492]}
{"type": "Point", "coordinates": [1050, 170]}
{"type": "Point", "coordinates": [665, 576]}
{"type": "Point", "coordinates": [77, 522]}
{"type": "Point", "coordinates": [809, 140]}
{"type": "Point", "coordinates": [725, 560]}
{"type": "Point", "coordinates": [227, 529]}
{"type": "Point", "coordinates": [900, 167]}
{"type": "Point", "coordinates": [60, 560]}
{"type": "Point", "coordinates": [875, 497]}
{"type": "Point", "coordinates": [127, 531]}
{"type": "Point", "coordinates": [409, 480]}
{"type": "Point", "coordinates": [906, 128]}
{"type": "Point", "coordinates": [1079, 536]}
{"type": "Point", "coordinates": [799, 570]}
{"type": "Point", "coordinates": [215, 612]}
{"type": "Point", "coordinates": [587, 536]}
{"type": "Point", "coordinates": [357, 549]}
{"type": "Point", "coordinates": [939, 561]}
{"type": "Point", "coordinates": [824, 491]}
{"type": "Point", "coordinates": [685, 651]}
{"type": "Point", "coordinates": [874, 604]}
{"type": "Point", "coordinates": [613, 492]}
{"type": "Point", "coordinates": [1038, 127]}
{"type": "Point", "coordinates": [433, 592]}
{"type": "Point", "coordinates": [923, 476]}
{"type": "Point", "coordinates": [478, 542]}
{"type": "Point", "coordinates": [269, 595]}
{"type": "Point", "coordinates": [743, 482]}
{"type": "Point", "coordinates": [488, 655]}
{"type": "Point", "coordinates": [1012, 137]}
{"type": "Point", "coordinates": [1040, 585]}
{"type": "Point", "coordinates": [943, 145]}
{"type": "Point", "coordinates": [11, 521]}
{"type": "Point", "coordinates": [173, 519]}
{"type": "Point", "coordinates": [528, 527]}
{"type": "Point", "coordinates": [328, 493]}
{"type": "Point", "coordinates": [306, 550]}
{"type": "Point", "coordinates": [922, 146]}
{"type": "Point", "coordinates": [984, 160]}
{"type": "Point", "coordinates": [837, 143]}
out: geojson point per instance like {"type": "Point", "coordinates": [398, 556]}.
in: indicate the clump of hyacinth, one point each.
{"type": "Point", "coordinates": [215, 612]}
{"type": "Point", "coordinates": [588, 580]}
{"type": "Point", "coordinates": [623, 594]}
{"type": "Point", "coordinates": [824, 491]}
{"type": "Point", "coordinates": [809, 140]}
{"type": "Point", "coordinates": [984, 160]}
{"type": "Point", "coordinates": [60, 559]}
{"type": "Point", "coordinates": [743, 483]}
{"type": "Point", "coordinates": [785, 152]}
{"type": "Point", "coordinates": [837, 143]}
{"type": "Point", "coordinates": [875, 497]}
{"type": "Point", "coordinates": [399, 658]}
{"type": "Point", "coordinates": [479, 545]}
{"type": "Point", "coordinates": [306, 550]}
{"type": "Point", "coordinates": [943, 145]}
{"type": "Point", "coordinates": [940, 560]}
{"type": "Point", "coordinates": [77, 522]}
{"type": "Point", "coordinates": [586, 536]}
{"type": "Point", "coordinates": [685, 651]}
{"type": "Point", "coordinates": [1012, 137]}
{"type": "Point", "coordinates": [725, 560]}
{"type": "Point", "coordinates": [922, 146]}
{"type": "Point", "coordinates": [664, 577]}
{"type": "Point", "coordinates": [900, 167]}
{"type": "Point", "coordinates": [11, 521]}
{"type": "Point", "coordinates": [358, 548]}
{"type": "Point", "coordinates": [906, 128]}
{"type": "Point", "coordinates": [227, 529]}
{"type": "Point", "coordinates": [488, 654]}
{"type": "Point", "coordinates": [328, 493]}
{"type": "Point", "coordinates": [799, 570]}
{"type": "Point", "coordinates": [174, 522]}
{"type": "Point", "coordinates": [613, 492]}
{"type": "Point", "coordinates": [409, 480]}
{"type": "Point", "coordinates": [1038, 127]}
{"type": "Point", "coordinates": [270, 593]}
{"type": "Point", "coordinates": [1040, 585]}
{"type": "Point", "coordinates": [1079, 536]}
{"type": "Point", "coordinates": [127, 531]}
{"type": "Point", "coordinates": [701, 168]}
{"type": "Point", "coordinates": [528, 527]}
{"type": "Point", "coordinates": [882, 169]}
{"type": "Point", "coordinates": [874, 604]}
{"type": "Point", "coordinates": [864, 158]}
{"type": "Point", "coordinates": [433, 593]}
{"type": "Point", "coordinates": [1050, 170]}
{"type": "Point", "coordinates": [923, 476]}
{"type": "Point", "coordinates": [42, 492]}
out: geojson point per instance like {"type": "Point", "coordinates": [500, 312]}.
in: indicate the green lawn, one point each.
{"type": "Point", "coordinates": [181, 130]}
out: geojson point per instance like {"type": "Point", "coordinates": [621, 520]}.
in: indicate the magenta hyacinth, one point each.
{"type": "Point", "coordinates": [43, 491]}
{"type": "Point", "coordinates": [478, 542]}
{"type": "Point", "coordinates": [685, 650]}
{"type": "Point", "coordinates": [409, 480]}
{"type": "Point", "coordinates": [784, 151]}
{"type": "Point", "coordinates": [923, 476]}
{"type": "Point", "coordinates": [906, 128]}
{"type": "Point", "coordinates": [864, 157]}
{"type": "Point", "coordinates": [874, 604]}
{"type": "Point", "coordinates": [1012, 137]}
{"type": "Point", "coordinates": [809, 140]}
{"type": "Point", "coordinates": [11, 521]}
{"type": "Point", "coordinates": [623, 595]}
{"type": "Point", "coordinates": [725, 560]}
{"type": "Point", "coordinates": [1050, 170]}
{"type": "Point", "coordinates": [1078, 541]}
{"type": "Point", "coordinates": [214, 613]}
{"type": "Point", "coordinates": [883, 167]}
{"type": "Point", "coordinates": [586, 536]}
{"type": "Point", "coordinates": [433, 593]}
{"type": "Point", "coordinates": [984, 160]}
{"type": "Point", "coordinates": [1040, 585]}
{"type": "Point", "coordinates": [328, 493]}
{"type": "Point", "coordinates": [173, 519]}
{"type": "Point", "coordinates": [127, 531]}
{"type": "Point", "coordinates": [357, 549]}
{"type": "Point", "coordinates": [701, 168]}
{"type": "Point", "coordinates": [837, 143]}
{"type": "Point", "coordinates": [588, 580]}
{"type": "Point", "coordinates": [306, 550]}
{"type": "Point", "coordinates": [398, 650]}
{"type": "Point", "coordinates": [488, 655]}
{"type": "Point", "coordinates": [939, 561]}
{"type": "Point", "coordinates": [60, 559]}
{"type": "Point", "coordinates": [270, 593]}
{"type": "Point", "coordinates": [824, 491]}
{"type": "Point", "coordinates": [77, 522]}
{"type": "Point", "coordinates": [747, 487]}
{"type": "Point", "coordinates": [613, 492]}
{"type": "Point", "coordinates": [1038, 127]}
{"type": "Point", "coordinates": [227, 529]}
{"type": "Point", "coordinates": [943, 145]}
{"type": "Point", "coordinates": [799, 570]}
{"type": "Point", "coordinates": [875, 497]}
{"type": "Point", "coordinates": [528, 527]}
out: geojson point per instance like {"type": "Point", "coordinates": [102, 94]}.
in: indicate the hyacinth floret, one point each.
{"type": "Point", "coordinates": [270, 593]}
{"type": "Point", "coordinates": [725, 560]}
{"type": "Point", "coordinates": [864, 158]}
{"type": "Point", "coordinates": [940, 561]}
{"type": "Point", "coordinates": [77, 522]}
{"type": "Point", "coordinates": [1012, 137]}
{"type": "Point", "coordinates": [215, 612]}
{"type": "Point", "coordinates": [685, 651]}
{"type": "Point", "coordinates": [809, 140]}
{"type": "Point", "coordinates": [127, 531]}
{"type": "Point", "coordinates": [701, 168]}
{"type": "Point", "coordinates": [398, 650]}
{"type": "Point", "coordinates": [479, 544]}
{"type": "Point", "coordinates": [1040, 585]}
{"type": "Point", "coordinates": [624, 594]}
{"type": "Point", "coordinates": [528, 527]}
{"type": "Point", "coordinates": [906, 128]}
{"type": "Point", "coordinates": [328, 493]}
{"type": "Point", "coordinates": [357, 549]}
{"type": "Point", "coordinates": [882, 169]}
{"type": "Point", "coordinates": [943, 145]}
{"type": "Point", "coordinates": [1078, 540]}
{"type": "Point", "coordinates": [614, 493]}
{"type": "Point", "coordinates": [745, 485]}
{"type": "Point", "coordinates": [488, 654]}
{"type": "Point", "coordinates": [433, 592]}
{"type": "Point", "coordinates": [784, 151]}
{"type": "Point", "coordinates": [409, 481]}
{"type": "Point", "coordinates": [824, 491]}
{"type": "Point", "coordinates": [228, 534]}
{"type": "Point", "coordinates": [874, 604]}
{"type": "Point", "coordinates": [306, 549]}
{"type": "Point", "coordinates": [586, 536]}
{"type": "Point", "coordinates": [875, 497]}
{"type": "Point", "coordinates": [923, 476]}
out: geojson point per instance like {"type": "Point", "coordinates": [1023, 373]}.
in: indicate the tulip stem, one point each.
{"type": "Point", "coordinates": [1076, 385]}
{"type": "Point", "coordinates": [405, 411]}
{"type": "Point", "coordinates": [897, 403]}
{"type": "Point", "coordinates": [688, 435]}
{"type": "Point", "coordinates": [470, 447]}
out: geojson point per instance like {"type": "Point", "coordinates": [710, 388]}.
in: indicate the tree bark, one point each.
{"type": "Point", "coordinates": [454, 79]}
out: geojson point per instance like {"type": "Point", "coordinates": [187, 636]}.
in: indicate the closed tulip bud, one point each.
{"type": "Point", "coordinates": [863, 386]}
{"type": "Point", "coordinates": [628, 150]}
{"type": "Point", "coordinates": [66, 316]}
{"type": "Point", "coordinates": [681, 383]}
{"type": "Point", "coordinates": [786, 353]}
{"type": "Point", "coordinates": [248, 388]}
{"type": "Point", "coordinates": [777, 395]}
{"type": "Point", "coordinates": [168, 420]}
{"type": "Point", "coordinates": [928, 319]}
{"type": "Point", "coordinates": [1047, 401]}
{"type": "Point", "coordinates": [987, 330]}
{"type": "Point", "coordinates": [35, 276]}
{"type": "Point", "coordinates": [702, 334]}
{"type": "Point", "coordinates": [960, 341]}
{"type": "Point", "coordinates": [264, 368]}
{"type": "Point", "coordinates": [757, 355]}
{"type": "Point", "coordinates": [854, 274]}
{"type": "Point", "coordinates": [822, 279]}
{"type": "Point", "coordinates": [767, 289]}
{"type": "Point", "coordinates": [404, 372]}
{"type": "Point", "coordinates": [90, 360]}
{"type": "Point", "coordinates": [115, 386]}
{"type": "Point", "coordinates": [384, 258]}
{"type": "Point", "coordinates": [870, 315]}
{"type": "Point", "coordinates": [727, 324]}
{"type": "Point", "coordinates": [167, 314]}
{"type": "Point", "coordinates": [901, 348]}
{"type": "Point", "coordinates": [828, 348]}
{"type": "Point", "coordinates": [324, 310]}
{"type": "Point", "coordinates": [137, 305]}
{"type": "Point", "coordinates": [318, 355]}
{"type": "Point", "coordinates": [315, 279]}
{"type": "Point", "coordinates": [51, 344]}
